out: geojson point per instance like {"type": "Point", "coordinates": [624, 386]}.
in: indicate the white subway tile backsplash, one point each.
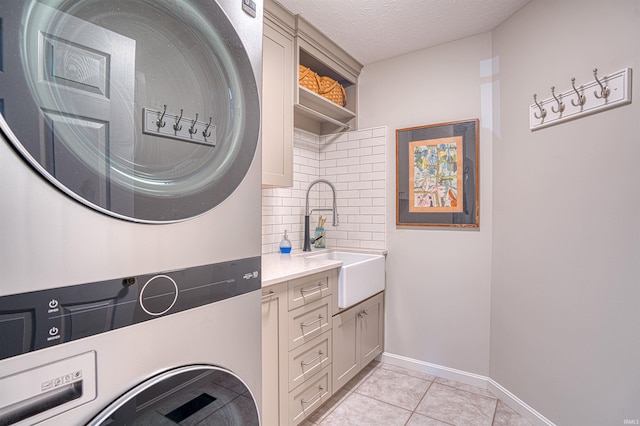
{"type": "Point", "coordinates": [376, 158]}
{"type": "Point", "coordinates": [336, 154]}
{"type": "Point", "coordinates": [360, 168]}
{"type": "Point", "coordinates": [345, 161]}
{"type": "Point", "coordinates": [372, 227]}
{"type": "Point", "coordinates": [372, 176]}
{"type": "Point", "coordinates": [359, 202]}
{"type": "Point", "coordinates": [361, 134]}
{"type": "Point", "coordinates": [367, 184]}
{"type": "Point", "coordinates": [345, 146]}
{"type": "Point", "coordinates": [360, 152]}
{"type": "Point", "coordinates": [373, 210]}
{"type": "Point", "coordinates": [354, 177]}
{"type": "Point", "coordinates": [355, 163]}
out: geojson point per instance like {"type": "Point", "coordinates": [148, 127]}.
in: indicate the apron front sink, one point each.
{"type": "Point", "coordinates": [360, 277]}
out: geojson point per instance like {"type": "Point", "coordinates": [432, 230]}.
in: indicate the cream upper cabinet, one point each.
{"type": "Point", "coordinates": [313, 112]}
{"type": "Point", "coordinates": [288, 42]}
{"type": "Point", "coordinates": [279, 80]}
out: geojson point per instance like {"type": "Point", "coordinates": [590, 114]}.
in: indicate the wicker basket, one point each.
{"type": "Point", "coordinates": [332, 90]}
{"type": "Point", "coordinates": [324, 86]}
{"type": "Point", "coordinates": [309, 79]}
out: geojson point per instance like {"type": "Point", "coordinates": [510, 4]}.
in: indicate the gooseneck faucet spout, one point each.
{"type": "Point", "coordinates": [307, 212]}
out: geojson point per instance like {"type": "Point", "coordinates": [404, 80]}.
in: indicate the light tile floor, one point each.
{"type": "Point", "coordinates": [383, 394]}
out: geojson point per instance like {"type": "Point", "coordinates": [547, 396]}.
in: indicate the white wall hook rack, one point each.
{"type": "Point", "coordinates": [603, 93]}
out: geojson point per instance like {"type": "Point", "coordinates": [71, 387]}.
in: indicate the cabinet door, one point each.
{"type": "Point", "coordinates": [277, 108]}
{"type": "Point", "coordinates": [270, 357]}
{"type": "Point", "coordinates": [346, 348]}
{"type": "Point", "coordinates": [372, 328]}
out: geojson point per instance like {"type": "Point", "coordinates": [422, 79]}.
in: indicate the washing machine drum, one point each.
{"type": "Point", "coordinates": [203, 395]}
{"type": "Point", "coordinates": [147, 110]}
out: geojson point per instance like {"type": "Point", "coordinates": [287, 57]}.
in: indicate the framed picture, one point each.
{"type": "Point", "coordinates": [437, 175]}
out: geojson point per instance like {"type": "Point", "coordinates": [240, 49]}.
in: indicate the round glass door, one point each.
{"type": "Point", "coordinates": [147, 110]}
{"type": "Point", "coordinates": [203, 395]}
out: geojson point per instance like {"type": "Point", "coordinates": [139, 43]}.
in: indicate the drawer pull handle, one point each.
{"type": "Point", "coordinates": [268, 295]}
{"type": "Point", "coordinates": [313, 289]}
{"type": "Point", "coordinates": [305, 363]}
{"type": "Point", "coordinates": [314, 398]}
{"type": "Point", "coordinates": [303, 325]}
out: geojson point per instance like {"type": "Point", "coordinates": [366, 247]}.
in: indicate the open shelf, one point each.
{"type": "Point", "coordinates": [324, 106]}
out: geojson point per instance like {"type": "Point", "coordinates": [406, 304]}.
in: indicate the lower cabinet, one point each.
{"type": "Point", "coordinates": [272, 313]}
{"type": "Point", "coordinates": [307, 352]}
{"type": "Point", "coordinates": [358, 337]}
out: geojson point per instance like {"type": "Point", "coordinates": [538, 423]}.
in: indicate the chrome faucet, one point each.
{"type": "Point", "coordinates": [307, 212]}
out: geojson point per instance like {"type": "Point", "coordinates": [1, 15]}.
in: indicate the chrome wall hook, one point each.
{"type": "Point", "coordinates": [604, 90]}
{"type": "Point", "coordinates": [193, 129]}
{"type": "Point", "coordinates": [206, 133]}
{"type": "Point", "coordinates": [177, 126]}
{"type": "Point", "coordinates": [161, 123]}
{"type": "Point", "coordinates": [560, 103]}
{"type": "Point", "coordinates": [543, 112]}
{"type": "Point", "coordinates": [581, 98]}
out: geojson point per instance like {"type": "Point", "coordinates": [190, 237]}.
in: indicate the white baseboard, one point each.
{"type": "Point", "coordinates": [472, 379]}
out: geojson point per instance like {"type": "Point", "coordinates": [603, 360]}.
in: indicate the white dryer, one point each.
{"type": "Point", "coordinates": [130, 211]}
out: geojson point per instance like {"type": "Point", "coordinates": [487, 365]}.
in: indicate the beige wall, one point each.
{"type": "Point", "coordinates": [438, 280]}
{"type": "Point", "coordinates": [565, 309]}
{"type": "Point", "coordinates": [544, 297]}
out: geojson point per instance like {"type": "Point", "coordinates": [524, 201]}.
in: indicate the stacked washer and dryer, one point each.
{"type": "Point", "coordinates": [130, 212]}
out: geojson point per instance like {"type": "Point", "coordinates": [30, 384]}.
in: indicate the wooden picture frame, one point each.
{"type": "Point", "coordinates": [437, 175]}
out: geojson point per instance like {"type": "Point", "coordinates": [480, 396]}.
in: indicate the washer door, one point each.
{"type": "Point", "coordinates": [146, 110]}
{"type": "Point", "coordinates": [199, 394]}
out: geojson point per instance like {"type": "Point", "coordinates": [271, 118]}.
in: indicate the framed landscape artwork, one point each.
{"type": "Point", "coordinates": [437, 175]}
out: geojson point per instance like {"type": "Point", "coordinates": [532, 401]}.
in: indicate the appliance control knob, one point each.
{"type": "Point", "coordinates": [158, 295]}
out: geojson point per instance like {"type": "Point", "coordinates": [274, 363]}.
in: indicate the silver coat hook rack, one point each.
{"type": "Point", "coordinates": [604, 90]}
{"type": "Point", "coordinates": [193, 129]}
{"type": "Point", "coordinates": [558, 101]}
{"type": "Point", "coordinates": [581, 98]}
{"type": "Point", "coordinates": [177, 126]}
{"type": "Point", "coordinates": [543, 112]}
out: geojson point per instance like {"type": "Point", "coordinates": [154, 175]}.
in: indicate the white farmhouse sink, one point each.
{"type": "Point", "coordinates": [361, 275]}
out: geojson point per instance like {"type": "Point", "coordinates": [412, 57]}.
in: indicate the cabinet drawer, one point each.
{"type": "Point", "coordinates": [306, 399]}
{"type": "Point", "coordinates": [307, 289]}
{"type": "Point", "coordinates": [309, 321]}
{"type": "Point", "coordinates": [308, 359]}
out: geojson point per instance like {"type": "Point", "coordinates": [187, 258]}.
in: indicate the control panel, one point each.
{"type": "Point", "coordinates": [40, 319]}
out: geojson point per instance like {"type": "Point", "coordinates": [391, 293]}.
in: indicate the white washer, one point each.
{"type": "Point", "coordinates": [99, 198]}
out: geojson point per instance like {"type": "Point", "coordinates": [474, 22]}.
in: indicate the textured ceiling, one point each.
{"type": "Point", "coordinates": [373, 30]}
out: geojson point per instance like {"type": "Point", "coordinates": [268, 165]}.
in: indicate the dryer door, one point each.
{"type": "Point", "coordinates": [199, 394]}
{"type": "Point", "coordinates": [144, 110]}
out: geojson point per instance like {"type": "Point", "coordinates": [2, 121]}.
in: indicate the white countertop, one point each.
{"type": "Point", "coordinates": [277, 267]}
